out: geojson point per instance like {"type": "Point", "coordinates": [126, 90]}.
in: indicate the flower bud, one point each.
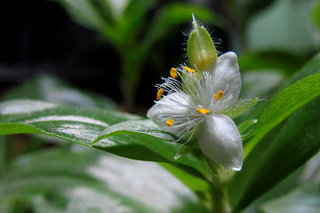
{"type": "Point", "coordinates": [200, 48]}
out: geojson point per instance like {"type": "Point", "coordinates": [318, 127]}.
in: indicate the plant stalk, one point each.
{"type": "Point", "coordinates": [219, 177]}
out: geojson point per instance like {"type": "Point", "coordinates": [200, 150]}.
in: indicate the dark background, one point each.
{"type": "Point", "coordinates": [40, 37]}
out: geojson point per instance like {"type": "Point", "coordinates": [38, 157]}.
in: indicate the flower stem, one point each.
{"type": "Point", "coordinates": [219, 178]}
{"type": "Point", "coordinates": [219, 202]}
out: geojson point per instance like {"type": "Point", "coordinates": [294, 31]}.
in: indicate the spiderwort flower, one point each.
{"type": "Point", "coordinates": [196, 103]}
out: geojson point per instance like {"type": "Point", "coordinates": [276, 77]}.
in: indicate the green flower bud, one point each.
{"type": "Point", "coordinates": [200, 48]}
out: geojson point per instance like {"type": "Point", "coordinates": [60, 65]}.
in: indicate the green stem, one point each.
{"type": "Point", "coordinates": [131, 69]}
{"type": "Point", "coordinates": [219, 177]}
{"type": "Point", "coordinates": [127, 94]}
{"type": "Point", "coordinates": [5, 151]}
{"type": "Point", "coordinates": [219, 202]}
{"type": "Point", "coordinates": [128, 88]}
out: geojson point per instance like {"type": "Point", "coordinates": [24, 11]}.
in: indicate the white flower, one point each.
{"type": "Point", "coordinates": [196, 103]}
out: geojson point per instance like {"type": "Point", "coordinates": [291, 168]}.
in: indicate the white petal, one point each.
{"type": "Point", "coordinates": [173, 106]}
{"type": "Point", "coordinates": [219, 140]}
{"type": "Point", "coordinates": [226, 77]}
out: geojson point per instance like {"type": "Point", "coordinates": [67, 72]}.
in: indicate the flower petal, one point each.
{"type": "Point", "coordinates": [175, 106]}
{"type": "Point", "coordinates": [219, 140]}
{"type": "Point", "coordinates": [226, 77]}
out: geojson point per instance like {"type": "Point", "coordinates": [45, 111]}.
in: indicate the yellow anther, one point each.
{"type": "Point", "coordinates": [173, 73]}
{"type": "Point", "coordinates": [169, 122]}
{"type": "Point", "coordinates": [189, 69]}
{"type": "Point", "coordinates": [218, 96]}
{"type": "Point", "coordinates": [159, 94]}
{"type": "Point", "coordinates": [203, 111]}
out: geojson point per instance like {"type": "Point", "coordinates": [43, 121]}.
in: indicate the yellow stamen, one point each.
{"type": "Point", "coordinates": [159, 94]}
{"type": "Point", "coordinates": [219, 95]}
{"type": "Point", "coordinates": [173, 73]}
{"type": "Point", "coordinates": [203, 111]}
{"type": "Point", "coordinates": [169, 122]}
{"type": "Point", "coordinates": [189, 69]}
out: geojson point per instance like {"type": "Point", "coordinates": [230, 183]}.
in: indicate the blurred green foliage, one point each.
{"type": "Point", "coordinates": [128, 27]}
{"type": "Point", "coordinates": [277, 42]}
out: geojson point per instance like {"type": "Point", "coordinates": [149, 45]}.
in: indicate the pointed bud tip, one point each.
{"type": "Point", "coordinates": [194, 22]}
{"type": "Point", "coordinates": [200, 48]}
{"type": "Point", "coordinates": [193, 18]}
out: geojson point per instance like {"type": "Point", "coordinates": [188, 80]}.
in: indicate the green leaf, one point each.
{"type": "Point", "coordinates": [280, 152]}
{"type": "Point", "coordinates": [48, 88]}
{"type": "Point", "coordinates": [135, 133]}
{"type": "Point", "coordinates": [311, 67]}
{"type": "Point", "coordinates": [239, 107]}
{"type": "Point", "coordinates": [259, 83]}
{"type": "Point", "coordinates": [287, 62]}
{"type": "Point", "coordinates": [146, 127]}
{"type": "Point", "coordinates": [88, 14]}
{"type": "Point", "coordinates": [167, 19]}
{"type": "Point", "coordinates": [246, 127]}
{"type": "Point", "coordinates": [285, 186]}
{"type": "Point", "coordinates": [197, 185]}
{"type": "Point", "coordinates": [274, 155]}
{"type": "Point", "coordinates": [283, 104]}
{"type": "Point", "coordinates": [303, 199]}
{"type": "Point", "coordinates": [133, 22]}
{"type": "Point", "coordinates": [175, 14]}
{"type": "Point", "coordinates": [316, 15]}
{"type": "Point", "coordinates": [119, 21]}
{"type": "Point", "coordinates": [84, 125]}
{"type": "Point", "coordinates": [86, 180]}
{"type": "Point", "coordinates": [249, 7]}
{"type": "Point", "coordinates": [285, 25]}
